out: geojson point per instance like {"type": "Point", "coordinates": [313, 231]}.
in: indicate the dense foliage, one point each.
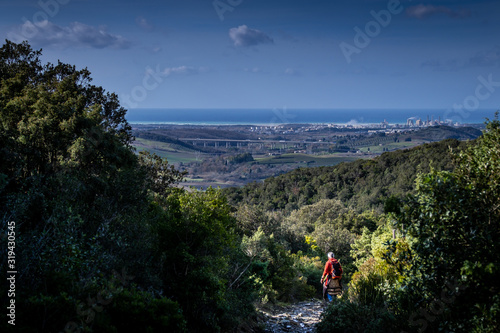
{"type": "Point", "coordinates": [440, 273]}
{"type": "Point", "coordinates": [455, 221]}
{"type": "Point", "coordinates": [363, 184]}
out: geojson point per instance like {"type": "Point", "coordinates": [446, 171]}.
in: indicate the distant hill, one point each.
{"type": "Point", "coordinates": [438, 133]}
{"type": "Point", "coordinates": [362, 184]}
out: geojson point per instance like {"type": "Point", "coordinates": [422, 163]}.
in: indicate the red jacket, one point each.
{"type": "Point", "coordinates": [329, 270]}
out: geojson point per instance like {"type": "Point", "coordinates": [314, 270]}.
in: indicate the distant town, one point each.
{"type": "Point", "coordinates": [384, 126]}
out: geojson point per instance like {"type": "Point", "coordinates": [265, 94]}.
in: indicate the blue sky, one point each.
{"type": "Point", "coordinates": [271, 54]}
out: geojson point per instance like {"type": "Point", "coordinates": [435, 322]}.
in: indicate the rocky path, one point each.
{"type": "Point", "coordinates": [299, 317]}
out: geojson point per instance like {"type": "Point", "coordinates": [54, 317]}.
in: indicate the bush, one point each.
{"type": "Point", "coordinates": [133, 310]}
{"type": "Point", "coordinates": [46, 313]}
{"type": "Point", "coordinates": [311, 269]}
{"type": "Point", "coordinates": [365, 286]}
{"type": "Point", "coordinates": [453, 220]}
{"type": "Point", "coordinates": [345, 316]}
{"type": "Point", "coordinates": [196, 250]}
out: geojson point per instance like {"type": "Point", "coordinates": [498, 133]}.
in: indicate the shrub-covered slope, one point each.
{"type": "Point", "coordinates": [363, 184]}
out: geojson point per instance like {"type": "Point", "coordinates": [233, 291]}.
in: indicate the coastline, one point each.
{"type": "Point", "coordinates": [284, 116]}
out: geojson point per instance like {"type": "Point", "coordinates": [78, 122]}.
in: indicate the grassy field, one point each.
{"type": "Point", "coordinates": [203, 184]}
{"type": "Point", "coordinates": [310, 160]}
{"type": "Point", "coordinates": [172, 153]}
{"type": "Point", "coordinates": [193, 180]}
{"type": "Point", "coordinates": [378, 149]}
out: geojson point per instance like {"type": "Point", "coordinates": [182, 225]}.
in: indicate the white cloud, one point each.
{"type": "Point", "coordinates": [490, 58]}
{"type": "Point", "coordinates": [354, 122]}
{"type": "Point", "coordinates": [183, 70]}
{"type": "Point", "coordinates": [291, 71]}
{"type": "Point", "coordinates": [442, 66]}
{"type": "Point", "coordinates": [244, 36]}
{"type": "Point", "coordinates": [253, 70]}
{"type": "Point", "coordinates": [77, 34]}
{"type": "Point", "coordinates": [144, 24]}
{"type": "Point", "coordinates": [422, 11]}
{"type": "Point", "coordinates": [157, 49]}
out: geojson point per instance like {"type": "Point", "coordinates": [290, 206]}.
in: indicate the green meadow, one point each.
{"type": "Point", "coordinates": [313, 160]}
{"type": "Point", "coordinates": [172, 152]}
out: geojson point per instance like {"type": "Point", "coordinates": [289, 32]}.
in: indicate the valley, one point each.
{"type": "Point", "coordinates": [234, 155]}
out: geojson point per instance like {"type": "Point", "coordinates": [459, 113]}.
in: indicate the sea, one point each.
{"type": "Point", "coordinates": [277, 116]}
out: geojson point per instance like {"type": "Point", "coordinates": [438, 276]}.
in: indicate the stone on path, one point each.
{"type": "Point", "coordinates": [298, 317]}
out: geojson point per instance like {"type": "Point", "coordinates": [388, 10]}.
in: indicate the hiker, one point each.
{"type": "Point", "coordinates": [333, 270]}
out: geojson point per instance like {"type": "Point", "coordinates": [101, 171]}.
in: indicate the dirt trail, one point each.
{"type": "Point", "coordinates": [298, 317]}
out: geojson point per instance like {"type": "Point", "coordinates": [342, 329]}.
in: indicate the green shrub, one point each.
{"type": "Point", "coordinates": [345, 316]}
{"type": "Point", "coordinates": [133, 310]}
{"type": "Point", "coordinates": [365, 287]}
{"type": "Point", "coordinates": [311, 269]}
{"type": "Point", "coordinates": [46, 312]}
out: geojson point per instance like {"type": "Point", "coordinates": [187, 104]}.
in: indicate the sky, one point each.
{"type": "Point", "coordinates": [333, 54]}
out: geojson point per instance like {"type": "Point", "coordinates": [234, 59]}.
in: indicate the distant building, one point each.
{"type": "Point", "coordinates": [409, 122]}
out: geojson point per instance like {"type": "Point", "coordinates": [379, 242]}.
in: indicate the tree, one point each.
{"type": "Point", "coordinates": [195, 240]}
{"type": "Point", "coordinates": [57, 128]}
{"type": "Point", "coordinates": [160, 175]}
{"type": "Point", "coordinates": [72, 183]}
{"type": "Point", "coordinates": [52, 117]}
{"type": "Point", "coordinates": [455, 221]}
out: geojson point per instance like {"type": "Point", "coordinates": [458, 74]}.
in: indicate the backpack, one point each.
{"type": "Point", "coordinates": [337, 270]}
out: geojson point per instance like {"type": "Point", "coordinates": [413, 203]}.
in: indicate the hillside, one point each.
{"type": "Point", "coordinates": [363, 184]}
{"type": "Point", "coordinates": [438, 133]}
